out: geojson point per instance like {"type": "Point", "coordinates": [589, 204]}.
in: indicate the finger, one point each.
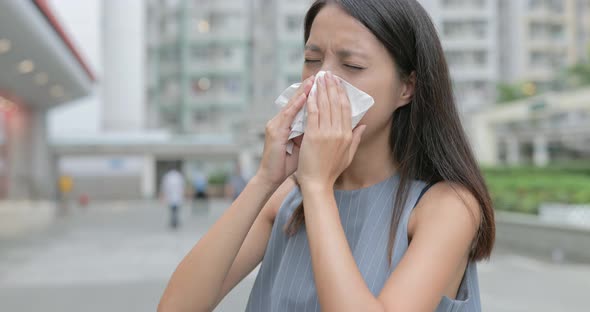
{"type": "Point", "coordinates": [335, 109]}
{"type": "Point", "coordinates": [306, 85]}
{"type": "Point", "coordinates": [346, 111]}
{"type": "Point", "coordinates": [294, 105]}
{"type": "Point", "coordinates": [304, 88]}
{"type": "Point", "coordinates": [357, 134]}
{"type": "Point", "coordinates": [288, 114]}
{"type": "Point", "coordinates": [323, 103]}
{"type": "Point", "coordinates": [313, 117]}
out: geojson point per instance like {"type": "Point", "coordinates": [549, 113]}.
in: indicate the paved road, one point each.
{"type": "Point", "coordinates": [118, 257]}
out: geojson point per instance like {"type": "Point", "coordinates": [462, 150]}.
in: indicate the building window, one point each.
{"type": "Point", "coordinates": [535, 4]}
{"type": "Point", "coordinates": [213, 53]}
{"type": "Point", "coordinates": [200, 3]}
{"type": "Point", "coordinates": [462, 30]}
{"type": "Point", "coordinates": [171, 90]}
{"type": "Point", "coordinates": [226, 22]}
{"type": "Point", "coordinates": [200, 116]}
{"type": "Point", "coordinates": [541, 58]}
{"type": "Point", "coordinates": [462, 59]}
{"type": "Point", "coordinates": [551, 5]}
{"type": "Point", "coordinates": [200, 53]}
{"type": "Point", "coordinates": [480, 58]}
{"type": "Point", "coordinates": [218, 86]}
{"type": "Point", "coordinates": [543, 31]}
{"type": "Point", "coordinates": [233, 85]}
{"type": "Point", "coordinates": [464, 3]}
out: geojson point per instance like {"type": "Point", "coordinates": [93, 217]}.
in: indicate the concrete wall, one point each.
{"type": "Point", "coordinates": [527, 234]}
{"type": "Point", "coordinates": [106, 177]}
{"type": "Point", "coordinates": [108, 187]}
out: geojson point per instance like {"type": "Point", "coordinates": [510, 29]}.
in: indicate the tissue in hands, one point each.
{"type": "Point", "coordinates": [360, 102]}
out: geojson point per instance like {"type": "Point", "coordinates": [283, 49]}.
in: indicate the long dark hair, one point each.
{"type": "Point", "coordinates": [426, 138]}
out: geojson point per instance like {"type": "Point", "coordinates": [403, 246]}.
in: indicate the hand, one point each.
{"type": "Point", "coordinates": [329, 143]}
{"type": "Point", "coordinates": [277, 164]}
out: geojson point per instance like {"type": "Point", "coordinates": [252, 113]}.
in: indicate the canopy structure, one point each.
{"type": "Point", "coordinates": [39, 69]}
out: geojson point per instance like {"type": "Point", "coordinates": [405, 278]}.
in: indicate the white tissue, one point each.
{"type": "Point", "coordinates": [360, 102]}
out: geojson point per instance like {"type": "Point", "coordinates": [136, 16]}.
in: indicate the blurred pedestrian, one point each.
{"type": "Point", "coordinates": [172, 193]}
{"type": "Point", "coordinates": [65, 185]}
{"type": "Point", "coordinates": [200, 196]}
{"type": "Point", "coordinates": [235, 184]}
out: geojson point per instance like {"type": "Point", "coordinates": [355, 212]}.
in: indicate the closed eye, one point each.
{"type": "Point", "coordinates": [353, 67]}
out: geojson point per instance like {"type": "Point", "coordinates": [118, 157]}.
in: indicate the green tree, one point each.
{"type": "Point", "coordinates": [579, 75]}
{"type": "Point", "coordinates": [513, 92]}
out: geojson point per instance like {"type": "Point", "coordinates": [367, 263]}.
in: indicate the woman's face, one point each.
{"type": "Point", "coordinates": [341, 44]}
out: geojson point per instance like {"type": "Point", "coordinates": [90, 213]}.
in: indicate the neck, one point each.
{"type": "Point", "coordinates": [372, 163]}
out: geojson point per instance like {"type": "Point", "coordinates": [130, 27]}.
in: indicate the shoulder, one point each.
{"type": "Point", "coordinates": [446, 205]}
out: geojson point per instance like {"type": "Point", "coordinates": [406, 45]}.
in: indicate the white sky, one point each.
{"type": "Point", "coordinates": [81, 20]}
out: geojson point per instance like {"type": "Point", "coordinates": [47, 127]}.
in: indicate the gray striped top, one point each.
{"type": "Point", "coordinates": [285, 281]}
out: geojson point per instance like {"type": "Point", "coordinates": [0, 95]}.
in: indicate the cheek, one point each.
{"type": "Point", "coordinates": [383, 93]}
{"type": "Point", "coordinates": [306, 73]}
{"type": "Point", "coordinates": [377, 116]}
{"type": "Point", "coordinates": [381, 112]}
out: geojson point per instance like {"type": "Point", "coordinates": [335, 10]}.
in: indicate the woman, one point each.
{"type": "Point", "coordinates": [389, 216]}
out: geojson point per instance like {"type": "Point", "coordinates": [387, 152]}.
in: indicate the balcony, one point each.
{"type": "Point", "coordinates": [219, 5]}
{"type": "Point", "coordinates": [470, 43]}
{"type": "Point", "coordinates": [219, 64]}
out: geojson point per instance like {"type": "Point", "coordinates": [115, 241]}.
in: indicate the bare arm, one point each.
{"type": "Point", "coordinates": [254, 247]}
{"type": "Point", "coordinates": [198, 279]}
{"type": "Point", "coordinates": [214, 265]}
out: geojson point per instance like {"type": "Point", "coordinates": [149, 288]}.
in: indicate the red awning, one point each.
{"type": "Point", "coordinates": [45, 8]}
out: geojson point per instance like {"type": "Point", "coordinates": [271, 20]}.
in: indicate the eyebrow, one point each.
{"type": "Point", "coordinates": [342, 53]}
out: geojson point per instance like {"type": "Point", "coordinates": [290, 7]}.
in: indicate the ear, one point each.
{"type": "Point", "coordinates": [407, 90]}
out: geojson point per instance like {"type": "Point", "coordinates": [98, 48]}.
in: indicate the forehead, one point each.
{"type": "Point", "coordinates": [334, 26]}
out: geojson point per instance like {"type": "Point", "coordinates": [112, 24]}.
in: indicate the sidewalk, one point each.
{"type": "Point", "coordinates": [118, 257]}
{"type": "Point", "coordinates": [23, 216]}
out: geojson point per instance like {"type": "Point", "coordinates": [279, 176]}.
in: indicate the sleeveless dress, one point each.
{"type": "Point", "coordinates": [285, 280]}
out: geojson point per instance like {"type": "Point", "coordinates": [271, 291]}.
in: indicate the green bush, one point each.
{"type": "Point", "coordinates": [524, 189]}
{"type": "Point", "coordinates": [218, 178]}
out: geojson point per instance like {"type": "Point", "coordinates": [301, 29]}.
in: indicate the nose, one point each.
{"type": "Point", "coordinates": [327, 69]}
{"type": "Point", "coordinates": [330, 65]}
{"type": "Point", "coordinates": [331, 69]}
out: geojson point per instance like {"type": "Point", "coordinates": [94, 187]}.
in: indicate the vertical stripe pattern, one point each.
{"type": "Point", "coordinates": [285, 280]}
